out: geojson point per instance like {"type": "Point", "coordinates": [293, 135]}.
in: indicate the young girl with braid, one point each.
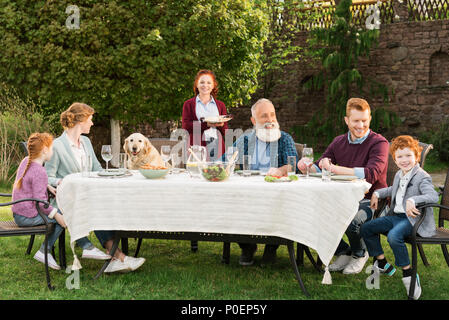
{"type": "Point", "coordinates": [31, 182]}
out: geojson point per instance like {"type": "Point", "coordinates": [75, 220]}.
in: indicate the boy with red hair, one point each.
{"type": "Point", "coordinates": [411, 185]}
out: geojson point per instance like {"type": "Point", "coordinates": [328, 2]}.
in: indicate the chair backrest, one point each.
{"type": "Point", "coordinates": [159, 142]}
{"type": "Point", "coordinates": [393, 168]}
{"type": "Point", "coordinates": [299, 148]}
{"type": "Point", "coordinates": [23, 146]}
{"type": "Point", "coordinates": [444, 214]}
{"type": "Point", "coordinates": [425, 150]}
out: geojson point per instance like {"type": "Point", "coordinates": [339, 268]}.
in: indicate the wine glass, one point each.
{"type": "Point", "coordinates": [307, 156]}
{"type": "Point", "coordinates": [106, 154]}
{"type": "Point", "coordinates": [165, 154]}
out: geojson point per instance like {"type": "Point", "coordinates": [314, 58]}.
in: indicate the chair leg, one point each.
{"type": "Point", "coordinates": [139, 243]}
{"type": "Point", "coordinates": [300, 254]}
{"type": "Point", "coordinates": [226, 252]}
{"type": "Point", "coordinates": [423, 255]}
{"type": "Point", "coordinates": [411, 292]}
{"type": "Point", "coordinates": [445, 253]}
{"type": "Point", "coordinates": [62, 260]}
{"type": "Point", "coordinates": [30, 244]}
{"type": "Point", "coordinates": [194, 246]}
{"type": "Point", "coordinates": [125, 246]}
{"type": "Point", "coordinates": [47, 272]}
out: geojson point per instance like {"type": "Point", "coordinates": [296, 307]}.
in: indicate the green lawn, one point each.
{"type": "Point", "coordinates": [172, 271]}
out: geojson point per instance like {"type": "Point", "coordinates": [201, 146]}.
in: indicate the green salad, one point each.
{"type": "Point", "coordinates": [276, 178]}
{"type": "Point", "coordinates": [214, 173]}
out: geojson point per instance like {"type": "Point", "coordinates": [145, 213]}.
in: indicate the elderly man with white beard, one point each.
{"type": "Point", "coordinates": [269, 148]}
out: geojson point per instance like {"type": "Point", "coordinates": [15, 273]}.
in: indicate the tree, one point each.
{"type": "Point", "coordinates": [131, 60]}
{"type": "Point", "coordinates": [338, 49]}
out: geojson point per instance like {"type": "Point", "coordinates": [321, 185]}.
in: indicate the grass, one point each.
{"type": "Point", "coordinates": [172, 271]}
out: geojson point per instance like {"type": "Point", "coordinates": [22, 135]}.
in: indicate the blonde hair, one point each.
{"type": "Point", "coordinates": [76, 113]}
{"type": "Point", "coordinates": [36, 143]}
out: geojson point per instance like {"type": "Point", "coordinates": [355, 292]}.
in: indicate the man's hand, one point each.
{"type": "Point", "coordinates": [325, 163]}
{"type": "Point", "coordinates": [410, 209]}
{"type": "Point", "coordinates": [276, 172]}
{"type": "Point", "coordinates": [302, 166]}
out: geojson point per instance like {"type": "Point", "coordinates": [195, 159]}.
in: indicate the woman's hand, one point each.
{"type": "Point", "coordinates": [60, 219]}
{"type": "Point", "coordinates": [410, 209]}
{"type": "Point", "coordinates": [214, 125]}
{"type": "Point", "coordinates": [374, 202]}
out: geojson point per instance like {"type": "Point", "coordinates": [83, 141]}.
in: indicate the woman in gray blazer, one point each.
{"type": "Point", "coordinates": [411, 186]}
{"type": "Point", "coordinates": [69, 151]}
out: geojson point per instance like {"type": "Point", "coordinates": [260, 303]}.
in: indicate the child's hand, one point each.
{"type": "Point", "coordinates": [411, 210]}
{"type": "Point", "coordinates": [60, 219]}
{"type": "Point", "coordinates": [374, 201]}
{"type": "Point", "coordinates": [51, 189]}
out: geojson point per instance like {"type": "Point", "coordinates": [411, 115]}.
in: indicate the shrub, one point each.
{"type": "Point", "coordinates": [18, 119]}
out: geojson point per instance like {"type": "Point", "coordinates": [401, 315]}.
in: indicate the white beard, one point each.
{"type": "Point", "coordinates": [268, 135]}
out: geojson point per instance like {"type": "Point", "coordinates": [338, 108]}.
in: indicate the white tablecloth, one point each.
{"type": "Point", "coordinates": [307, 211]}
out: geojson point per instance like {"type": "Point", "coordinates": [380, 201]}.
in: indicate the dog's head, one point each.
{"type": "Point", "coordinates": [137, 144]}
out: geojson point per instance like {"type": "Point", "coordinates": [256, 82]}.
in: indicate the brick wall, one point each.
{"type": "Point", "coordinates": [412, 59]}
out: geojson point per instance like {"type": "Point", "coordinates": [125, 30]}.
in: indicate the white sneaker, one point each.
{"type": "Point", "coordinates": [116, 265]}
{"type": "Point", "coordinates": [407, 281]}
{"type": "Point", "coordinates": [40, 256]}
{"type": "Point", "coordinates": [340, 263]}
{"type": "Point", "coordinates": [356, 264]}
{"type": "Point", "coordinates": [95, 254]}
{"type": "Point", "coordinates": [133, 263]}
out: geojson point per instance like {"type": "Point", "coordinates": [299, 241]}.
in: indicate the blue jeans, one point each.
{"type": "Point", "coordinates": [398, 228]}
{"type": "Point", "coordinates": [84, 243]}
{"type": "Point", "coordinates": [356, 246]}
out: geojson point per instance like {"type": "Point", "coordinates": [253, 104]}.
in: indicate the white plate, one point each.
{"type": "Point", "coordinates": [110, 172]}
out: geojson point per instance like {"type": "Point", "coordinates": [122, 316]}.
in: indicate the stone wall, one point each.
{"type": "Point", "coordinates": [412, 59]}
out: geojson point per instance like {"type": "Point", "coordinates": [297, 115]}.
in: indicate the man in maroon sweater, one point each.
{"type": "Point", "coordinates": [362, 153]}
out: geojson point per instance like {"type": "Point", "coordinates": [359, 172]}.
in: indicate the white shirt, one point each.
{"type": "Point", "coordinates": [79, 153]}
{"type": "Point", "coordinates": [204, 111]}
{"type": "Point", "coordinates": [405, 179]}
{"type": "Point", "coordinates": [403, 183]}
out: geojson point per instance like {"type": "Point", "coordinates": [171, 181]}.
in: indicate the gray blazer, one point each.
{"type": "Point", "coordinates": [63, 161]}
{"type": "Point", "coordinates": [421, 190]}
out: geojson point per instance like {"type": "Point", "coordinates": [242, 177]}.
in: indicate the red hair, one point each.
{"type": "Point", "coordinates": [357, 104]}
{"type": "Point", "coordinates": [35, 146]}
{"type": "Point", "coordinates": [402, 142]}
{"type": "Point", "coordinates": [212, 75]}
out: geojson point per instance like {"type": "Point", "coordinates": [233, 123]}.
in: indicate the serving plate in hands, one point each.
{"type": "Point", "coordinates": [218, 119]}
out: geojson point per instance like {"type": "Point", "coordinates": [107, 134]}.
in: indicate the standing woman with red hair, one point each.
{"type": "Point", "coordinates": [203, 105]}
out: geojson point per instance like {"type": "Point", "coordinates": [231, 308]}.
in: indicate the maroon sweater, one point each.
{"type": "Point", "coordinates": [371, 154]}
{"type": "Point", "coordinates": [189, 116]}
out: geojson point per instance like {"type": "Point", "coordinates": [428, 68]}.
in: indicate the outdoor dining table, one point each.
{"type": "Point", "coordinates": [308, 211]}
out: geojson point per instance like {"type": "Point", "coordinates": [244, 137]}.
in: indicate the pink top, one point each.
{"type": "Point", "coordinates": [34, 185]}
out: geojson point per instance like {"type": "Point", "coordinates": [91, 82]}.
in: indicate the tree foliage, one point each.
{"type": "Point", "coordinates": [132, 60]}
{"type": "Point", "coordinates": [338, 50]}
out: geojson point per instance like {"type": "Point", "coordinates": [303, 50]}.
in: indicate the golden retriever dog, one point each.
{"type": "Point", "coordinates": [140, 152]}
